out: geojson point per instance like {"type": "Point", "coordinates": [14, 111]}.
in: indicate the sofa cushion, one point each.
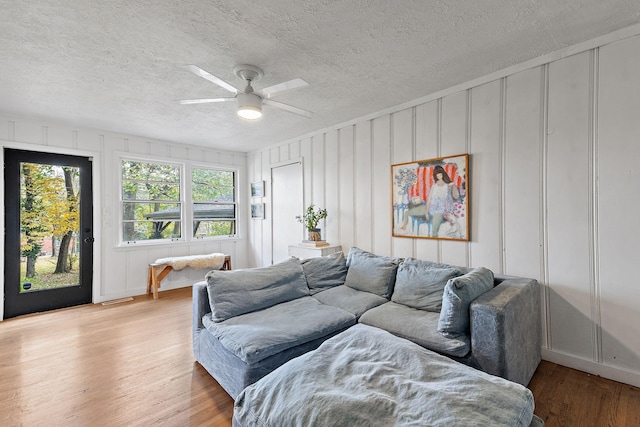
{"type": "Point", "coordinates": [257, 335]}
{"type": "Point", "coordinates": [421, 285]}
{"type": "Point", "coordinates": [458, 295]}
{"type": "Point", "coordinates": [419, 326]}
{"type": "Point", "coordinates": [349, 299]}
{"type": "Point", "coordinates": [236, 292]}
{"type": "Point", "coordinates": [325, 272]}
{"type": "Point", "coordinates": [371, 273]}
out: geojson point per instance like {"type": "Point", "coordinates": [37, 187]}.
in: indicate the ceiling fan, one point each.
{"type": "Point", "coordinates": [249, 101]}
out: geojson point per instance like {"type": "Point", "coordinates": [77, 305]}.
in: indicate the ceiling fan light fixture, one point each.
{"type": "Point", "coordinates": [249, 106]}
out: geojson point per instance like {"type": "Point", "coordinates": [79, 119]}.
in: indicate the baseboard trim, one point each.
{"type": "Point", "coordinates": [609, 372]}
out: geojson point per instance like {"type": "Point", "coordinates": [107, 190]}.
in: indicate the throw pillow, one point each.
{"type": "Point", "coordinates": [458, 295]}
{"type": "Point", "coordinates": [421, 285]}
{"type": "Point", "coordinates": [236, 292]}
{"type": "Point", "coordinates": [325, 272]}
{"type": "Point", "coordinates": [371, 273]}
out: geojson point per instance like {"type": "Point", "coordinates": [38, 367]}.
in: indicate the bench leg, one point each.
{"type": "Point", "coordinates": [155, 278]}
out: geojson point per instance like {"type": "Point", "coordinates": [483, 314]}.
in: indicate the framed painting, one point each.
{"type": "Point", "coordinates": [257, 189]}
{"type": "Point", "coordinates": [430, 198]}
{"type": "Point", "coordinates": [257, 210]}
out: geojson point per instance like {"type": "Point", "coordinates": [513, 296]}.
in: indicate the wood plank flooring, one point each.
{"type": "Point", "coordinates": [131, 364]}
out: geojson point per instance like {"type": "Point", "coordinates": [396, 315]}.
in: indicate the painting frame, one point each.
{"type": "Point", "coordinates": [424, 205]}
{"type": "Point", "coordinates": [257, 210]}
{"type": "Point", "coordinates": [257, 189]}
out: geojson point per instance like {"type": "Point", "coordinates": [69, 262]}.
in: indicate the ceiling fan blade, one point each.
{"type": "Point", "coordinates": [205, 75]}
{"type": "Point", "coordinates": [288, 108]}
{"type": "Point", "coordinates": [270, 91]}
{"type": "Point", "coordinates": [204, 100]}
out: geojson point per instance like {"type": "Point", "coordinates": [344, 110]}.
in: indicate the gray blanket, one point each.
{"type": "Point", "coordinates": [366, 376]}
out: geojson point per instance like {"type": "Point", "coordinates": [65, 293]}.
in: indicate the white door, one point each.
{"type": "Point", "coordinates": [287, 203]}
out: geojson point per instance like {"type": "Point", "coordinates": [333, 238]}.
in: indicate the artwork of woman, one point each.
{"type": "Point", "coordinates": [432, 195]}
{"type": "Point", "coordinates": [441, 200]}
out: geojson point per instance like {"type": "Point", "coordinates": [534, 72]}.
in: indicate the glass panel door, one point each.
{"type": "Point", "coordinates": [48, 254]}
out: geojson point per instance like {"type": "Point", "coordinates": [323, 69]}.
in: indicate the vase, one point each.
{"type": "Point", "coordinates": [314, 234]}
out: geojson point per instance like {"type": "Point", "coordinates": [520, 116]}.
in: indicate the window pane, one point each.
{"type": "Point", "coordinates": [214, 202]}
{"type": "Point", "coordinates": [213, 211]}
{"type": "Point", "coordinates": [214, 228]}
{"type": "Point", "coordinates": [150, 191]}
{"type": "Point", "coordinates": [151, 211]}
{"type": "Point", "coordinates": [150, 181]}
{"type": "Point", "coordinates": [148, 230]}
{"type": "Point", "coordinates": [212, 185]}
{"type": "Point", "coordinates": [151, 195]}
{"type": "Point", "coordinates": [143, 171]}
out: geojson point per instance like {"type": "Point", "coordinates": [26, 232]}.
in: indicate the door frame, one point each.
{"type": "Point", "coordinates": [97, 209]}
{"type": "Point", "coordinates": [273, 166]}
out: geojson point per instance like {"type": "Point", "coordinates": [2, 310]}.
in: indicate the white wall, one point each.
{"type": "Point", "coordinates": [554, 149]}
{"type": "Point", "coordinates": [123, 271]}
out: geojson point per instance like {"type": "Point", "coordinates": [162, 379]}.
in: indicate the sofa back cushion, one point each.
{"type": "Point", "coordinates": [236, 292]}
{"type": "Point", "coordinates": [371, 273]}
{"type": "Point", "coordinates": [420, 284]}
{"type": "Point", "coordinates": [325, 272]}
{"type": "Point", "coordinates": [458, 295]}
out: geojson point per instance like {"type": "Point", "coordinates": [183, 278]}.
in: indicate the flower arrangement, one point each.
{"type": "Point", "coordinates": [312, 217]}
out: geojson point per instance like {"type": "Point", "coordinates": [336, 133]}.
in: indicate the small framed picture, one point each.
{"type": "Point", "coordinates": [257, 210]}
{"type": "Point", "coordinates": [257, 189]}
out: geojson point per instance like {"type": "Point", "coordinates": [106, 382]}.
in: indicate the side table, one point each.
{"type": "Point", "coordinates": [303, 252]}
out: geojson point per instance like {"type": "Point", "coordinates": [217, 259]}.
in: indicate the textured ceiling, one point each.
{"type": "Point", "coordinates": [117, 65]}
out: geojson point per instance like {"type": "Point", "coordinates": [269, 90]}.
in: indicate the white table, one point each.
{"type": "Point", "coordinates": [303, 252]}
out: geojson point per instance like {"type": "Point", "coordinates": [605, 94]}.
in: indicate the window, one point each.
{"type": "Point", "coordinates": [151, 201]}
{"type": "Point", "coordinates": [214, 202]}
{"type": "Point", "coordinates": [155, 204]}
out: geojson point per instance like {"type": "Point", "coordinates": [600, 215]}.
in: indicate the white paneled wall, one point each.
{"type": "Point", "coordinates": [123, 271]}
{"type": "Point", "coordinates": [554, 153]}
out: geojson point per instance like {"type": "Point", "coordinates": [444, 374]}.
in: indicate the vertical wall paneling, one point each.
{"type": "Point", "coordinates": [568, 206]}
{"type": "Point", "coordinates": [454, 141]}
{"type": "Point", "coordinates": [426, 147]}
{"type": "Point", "coordinates": [274, 155]}
{"type": "Point", "coordinates": [59, 137]}
{"type": "Point", "coordinates": [305, 151]}
{"type": "Point", "coordinates": [362, 186]}
{"type": "Point", "coordinates": [486, 176]}
{"type": "Point", "coordinates": [4, 130]}
{"type": "Point", "coordinates": [265, 224]}
{"type": "Point", "coordinates": [381, 159]}
{"type": "Point", "coordinates": [26, 132]}
{"type": "Point", "coordinates": [346, 182]}
{"type": "Point", "coordinates": [618, 152]}
{"type": "Point", "coordinates": [318, 176]}
{"type": "Point", "coordinates": [255, 229]}
{"type": "Point", "coordinates": [331, 173]}
{"type": "Point", "coordinates": [593, 211]}
{"type": "Point", "coordinates": [522, 174]}
{"type": "Point", "coordinates": [544, 212]}
{"type": "Point", "coordinates": [294, 150]}
{"type": "Point", "coordinates": [403, 150]}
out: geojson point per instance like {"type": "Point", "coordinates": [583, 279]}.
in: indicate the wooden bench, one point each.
{"type": "Point", "coordinates": [158, 271]}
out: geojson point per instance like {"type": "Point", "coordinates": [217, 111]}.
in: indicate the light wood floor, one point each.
{"type": "Point", "coordinates": [131, 364]}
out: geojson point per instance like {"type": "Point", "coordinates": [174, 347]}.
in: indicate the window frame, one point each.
{"type": "Point", "coordinates": [235, 202]}
{"type": "Point", "coordinates": [122, 201]}
{"type": "Point", "coordinates": [186, 201]}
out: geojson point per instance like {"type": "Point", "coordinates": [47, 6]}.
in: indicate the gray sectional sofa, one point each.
{"type": "Point", "coordinates": [247, 323]}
